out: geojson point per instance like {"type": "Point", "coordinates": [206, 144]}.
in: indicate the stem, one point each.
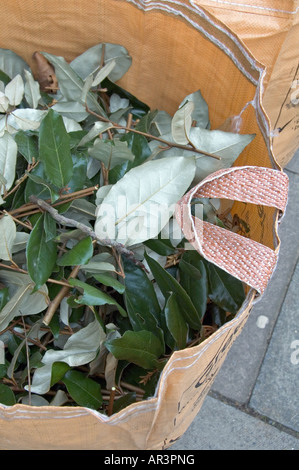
{"type": "Point", "coordinates": [19, 270]}
{"type": "Point", "coordinates": [31, 340]}
{"type": "Point", "coordinates": [121, 249]}
{"type": "Point", "coordinates": [27, 209]}
{"type": "Point", "coordinates": [20, 181]}
{"type": "Point", "coordinates": [59, 297]}
{"type": "Point", "coordinates": [150, 136]}
{"type": "Point", "coordinates": [24, 224]}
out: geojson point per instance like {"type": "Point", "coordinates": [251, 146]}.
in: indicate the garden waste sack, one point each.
{"type": "Point", "coordinates": [176, 48]}
{"type": "Point", "coordinates": [270, 29]}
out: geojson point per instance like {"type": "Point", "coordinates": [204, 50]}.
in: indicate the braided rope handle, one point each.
{"type": "Point", "coordinates": [247, 260]}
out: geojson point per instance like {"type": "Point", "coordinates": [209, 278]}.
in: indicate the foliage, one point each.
{"type": "Point", "coordinates": [97, 288]}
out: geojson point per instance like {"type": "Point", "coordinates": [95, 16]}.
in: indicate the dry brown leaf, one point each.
{"type": "Point", "coordinates": [45, 73]}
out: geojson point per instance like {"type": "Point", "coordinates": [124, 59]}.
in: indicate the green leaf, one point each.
{"type": "Point", "coordinates": [59, 369]}
{"type": "Point", "coordinates": [124, 401]}
{"type": "Point", "coordinates": [8, 159]}
{"type": "Point", "coordinates": [4, 77]}
{"type": "Point", "coordinates": [110, 281]}
{"type": "Point", "coordinates": [45, 186]}
{"type": "Point", "coordinates": [14, 90]}
{"type": "Point", "coordinates": [32, 90]}
{"type": "Point", "coordinates": [83, 390]}
{"type": "Point", "coordinates": [99, 264]}
{"type": "Point", "coordinates": [168, 285]}
{"type": "Point", "coordinates": [217, 315]}
{"type": "Point", "coordinates": [22, 297]}
{"type": "Point", "coordinates": [26, 119]}
{"type": "Point", "coordinates": [181, 123]}
{"type": "Point", "coordinates": [37, 184]}
{"type": "Point", "coordinates": [3, 371]}
{"type": "Point", "coordinates": [161, 124]}
{"type": "Point", "coordinates": [70, 84]}
{"type": "Point", "coordinates": [11, 63]}
{"type": "Point", "coordinates": [27, 145]}
{"type": "Point", "coordinates": [7, 396]}
{"type": "Point", "coordinates": [81, 348]}
{"type": "Point", "coordinates": [4, 297]}
{"type": "Point", "coordinates": [78, 179]}
{"type": "Point", "coordinates": [93, 296]}
{"type": "Point", "coordinates": [79, 255]}
{"type": "Point", "coordinates": [227, 145]}
{"type": "Point", "coordinates": [146, 121]}
{"type": "Point", "coordinates": [139, 147]}
{"type": "Point", "coordinates": [41, 255]}
{"type": "Point", "coordinates": [140, 292]}
{"type": "Point", "coordinates": [7, 237]}
{"type": "Point", "coordinates": [98, 128]}
{"type": "Point", "coordinates": [140, 204]}
{"type": "Point", "coordinates": [54, 325]}
{"type": "Point", "coordinates": [71, 109]}
{"type": "Point", "coordinates": [4, 105]}
{"type": "Point", "coordinates": [140, 347]}
{"type": "Point", "coordinates": [200, 114]}
{"type": "Point", "coordinates": [54, 149]}
{"type": "Point", "coordinates": [111, 153]}
{"type": "Point", "coordinates": [160, 246]}
{"type": "Point", "coordinates": [143, 320]}
{"type": "Point", "coordinates": [224, 290]}
{"type": "Point", "coordinates": [76, 137]}
{"type": "Point", "coordinates": [176, 322]}
{"type": "Point", "coordinates": [103, 73]}
{"type": "Point", "coordinates": [17, 356]}
{"type": "Point", "coordinates": [139, 108]}
{"type": "Point", "coordinates": [49, 227]}
{"type": "Point", "coordinates": [193, 278]}
{"type": "Point", "coordinates": [90, 60]}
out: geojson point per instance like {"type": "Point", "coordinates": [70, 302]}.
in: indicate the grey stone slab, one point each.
{"type": "Point", "coordinates": [237, 377]}
{"type": "Point", "coordinates": [293, 164]}
{"type": "Point", "coordinates": [276, 393]}
{"type": "Point", "coordinates": [219, 426]}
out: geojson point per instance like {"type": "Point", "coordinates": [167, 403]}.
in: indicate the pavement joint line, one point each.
{"type": "Point", "coordinates": [253, 413]}
{"type": "Point", "coordinates": [289, 170]}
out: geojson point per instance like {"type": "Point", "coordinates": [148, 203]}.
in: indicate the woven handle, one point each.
{"type": "Point", "coordinates": [247, 260]}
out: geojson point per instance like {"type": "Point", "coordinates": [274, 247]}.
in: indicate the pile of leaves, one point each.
{"type": "Point", "coordinates": [98, 286]}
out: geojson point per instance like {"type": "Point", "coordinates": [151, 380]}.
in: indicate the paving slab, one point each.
{"type": "Point", "coordinates": [293, 164]}
{"type": "Point", "coordinates": [276, 393]}
{"type": "Point", "coordinates": [219, 426]}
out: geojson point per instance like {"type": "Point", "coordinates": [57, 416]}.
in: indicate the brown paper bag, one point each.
{"type": "Point", "coordinates": [270, 29]}
{"type": "Point", "coordinates": [177, 48]}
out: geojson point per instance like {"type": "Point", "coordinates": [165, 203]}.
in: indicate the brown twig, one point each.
{"type": "Point", "coordinates": [30, 340]}
{"type": "Point", "coordinates": [28, 209]}
{"type": "Point", "coordinates": [53, 306]}
{"type": "Point", "coordinates": [20, 270]}
{"type": "Point", "coordinates": [120, 248]}
{"type": "Point", "coordinates": [153, 137]}
{"type": "Point", "coordinates": [20, 180]}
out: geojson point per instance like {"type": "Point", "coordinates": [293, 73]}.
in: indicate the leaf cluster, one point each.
{"type": "Point", "coordinates": [97, 287]}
